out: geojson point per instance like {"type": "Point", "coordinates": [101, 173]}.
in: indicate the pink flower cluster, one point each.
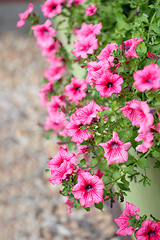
{"type": "Point", "coordinates": [55, 120]}
{"type": "Point", "coordinates": [149, 230]}
{"type": "Point", "coordinates": [89, 188]}
{"type": "Point", "coordinates": [81, 117]}
{"type": "Point", "coordinates": [87, 41]}
{"type": "Point", "coordinates": [138, 112]}
{"type": "Point", "coordinates": [24, 16]}
{"type": "Point", "coordinates": [99, 73]}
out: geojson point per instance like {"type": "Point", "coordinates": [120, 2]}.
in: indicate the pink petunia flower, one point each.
{"type": "Point", "coordinates": [87, 30]}
{"type": "Point", "coordinates": [106, 52]}
{"type": "Point", "coordinates": [51, 7]}
{"type": "Point", "coordinates": [56, 69]}
{"type": "Point", "coordinates": [61, 166]}
{"type": "Point", "coordinates": [115, 150]}
{"type": "Point", "coordinates": [55, 123]}
{"type": "Point", "coordinates": [89, 189]}
{"type": "Point", "coordinates": [69, 203]}
{"type": "Point", "coordinates": [91, 10]}
{"type": "Point", "coordinates": [23, 16]}
{"type": "Point", "coordinates": [82, 149]}
{"type": "Point", "coordinates": [85, 46]}
{"type": "Point", "coordinates": [158, 124]}
{"type": "Point", "coordinates": [44, 33]}
{"type": "Point", "coordinates": [149, 230]}
{"type": "Point", "coordinates": [50, 48]}
{"type": "Point", "coordinates": [55, 105]}
{"type": "Point", "coordinates": [138, 112]}
{"type": "Point", "coordinates": [76, 90]}
{"type": "Point", "coordinates": [73, 129]}
{"type": "Point", "coordinates": [129, 212]}
{"type": "Point", "coordinates": [108, 84]}
{"type": "Point", "coordinates": [147, 137]}
{"type": "Point", "coordinates": [130, 47]}
{"type": "Point", "coordinates": [152, 56]}
{"type": "Point", "coordinates": [95, 70]}
{"type": "Point", "coordinates": [147, 78]}
{"type": "Point", "coordinates": [88, 113]}
{"type": "Point", "coordinates": [47, 88]}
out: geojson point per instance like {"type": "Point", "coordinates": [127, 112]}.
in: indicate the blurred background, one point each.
{"type": "Point", "coordinates": [31, 208]}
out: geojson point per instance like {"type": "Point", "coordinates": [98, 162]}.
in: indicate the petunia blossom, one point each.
{"type": "Point", "coordinates": [95, 70]}
{"type": "Point", "coordinates": [23, 16]}
{"type": "Point", "coordinates": [82, 149]}
{"type": "Point", "coordinates": [51, 7]}
{"type": "Point", "coordinates": [148, 78]}
{"type": "Point", "coordinates": [55, 123]}
{"type": "Point", "coordinates": [89, 189]}
{"type": "Point", "coordinates": [105, 54]}
{"type": "Point", "coordinates": [88, 113]}
{"type": "Point", "coordinates": [69, 203]}
{"type": "Point", "coordinates": [87, 30]}
{"type": "Point", "coordinates": [85, 46]}
{"type": "Point", "coordinates": [138, 112]}
{"type": "Point", "coordinates": [108, 84]}
{"type": "Point", "coordinates": [62, 165]}
{"type": "Point", "coordinates": [55, 70]}
{"type": "Point", "coordinates": [148, 137]}
{"type": "Point", "coordinates": [149, 230]}
{"type": "Point", "coordinates": [130, 47]}
{"type": "Point", "coordinates": [76, 90]}
{"type": "Point", "coordinates": [129, 212]}
{"type": "Point", "coordinates": [158, 124]}
{"type": "Point", "coordinates": [91, 10]}
{"type": "Point", "coordinates": [44, 33]}
{"type": "Point", "coordinates": [115, 150]}
{"type": "Point", "coordinates": [73, 130]}
{"type": "Point", "coordinates": [47, 88]}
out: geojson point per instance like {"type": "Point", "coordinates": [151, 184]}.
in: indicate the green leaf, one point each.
{"type": "Point", "coordinates": [98, 139]}
{"type": "Point", "coordinates": [87, 209]}
{"type": "Point", "coordinates": [94, 161]}
{"type": "Point", "coordinates": [143, 163]}
{"type": "Point", "coordinates": [123, 187]}
{"type": "Point", "coordinates": [99, 206]}
{"type": "Point", "coordinates": [156, 154]}
{"type": "Point", "coordinates": [130, 170]}
{"type": "Point", "coordinates": [157, 164]}
{"type": "Point", "coordinates": [116, 175]}
{"type": "Point", "coordinates": [114, 105]}
{"type": "Point", "coordinates": [126, 183]}
{"type": "Point", "coordinates": [106, 179]}
{"type": "Point", "coordinates": [77, 204]}
{"type": "Point", "coordinates": [47, 170]}
{"type": "Point", "coordinates": [82, 162]}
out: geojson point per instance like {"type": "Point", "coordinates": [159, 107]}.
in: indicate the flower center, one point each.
{"type": "Point", "coordinates": [114, 145]}
{"type": "Point", "coordinates": [77, 88]}
{"type": "Point", "coordinates": [88, 187]}
{"type": "Point", "coordinates": [148, 81]}
{"type": "Point", "coordinates": [151, 233]}
{"type": "Point", "coordinates": [58, 107]}
{"type": "Point", "coordinates": [80, 125]}
{"type": "Point", "coordinates": [53, 7]}
{"type": "Point", "coordinates": [87, 48]}
{"type": "Point", "coordinates": [127, 47]}
{"type": "Point", "coordinates": [45, 30]}
{"type": "Point", "coordinates": [109, 84]}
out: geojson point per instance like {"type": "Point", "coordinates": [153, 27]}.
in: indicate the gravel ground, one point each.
{"type": "Point", "coordinates": [31, 208]}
